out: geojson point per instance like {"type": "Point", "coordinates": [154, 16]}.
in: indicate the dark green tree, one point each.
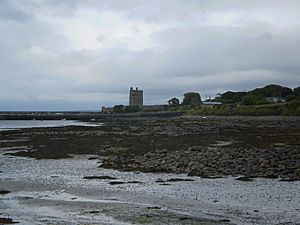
{"type": "Point", "coordinates": [253, 100]}
{"type": "Point", "coordinates": [297, 91]}
{"type": "Point", "coordinates": [272, 90]}
{"type": "Point", "coordinates": [191, 99]}
{"type": "Point", "coordinates": [174, 101]}
{"type": "Point", "coordinates": [132, 109]}
{"type": "Point", "coordinates": [231, 97]}
{"type": "Point", "coordinates": [119, 109]}
{"type": "Point", "coordinates": [290, 98]}
{"type": "Point", "coordinates": [249, 100]}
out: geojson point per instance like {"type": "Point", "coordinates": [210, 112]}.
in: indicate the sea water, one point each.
{"type": "Point", "coordinates": [19, 124]}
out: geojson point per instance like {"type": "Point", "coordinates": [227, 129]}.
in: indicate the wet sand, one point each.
{"type": "Point", "coordinates": [54, 192]}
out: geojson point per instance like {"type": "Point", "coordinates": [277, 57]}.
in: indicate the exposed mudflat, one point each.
{"type": "Point", "coordinates": [200, 146]}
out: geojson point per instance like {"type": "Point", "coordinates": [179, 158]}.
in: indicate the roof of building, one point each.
{"type": "Point", "coordinates": [212, 103]}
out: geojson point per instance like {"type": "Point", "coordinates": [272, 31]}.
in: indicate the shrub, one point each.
{"type": "Point", "coordinates": [192, 99]}
{"type": "Point", "coordinates": [253, 100]}
{"type": "Point", "coordinates": [132, 109]}
{"type": "Point", "coordinates": [119, 109]}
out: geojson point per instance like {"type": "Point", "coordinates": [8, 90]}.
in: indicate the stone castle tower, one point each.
{"type": "Point", "coordinates": [136, 97]}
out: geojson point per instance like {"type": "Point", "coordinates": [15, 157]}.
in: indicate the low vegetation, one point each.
{"type": "Point", "coordinates": [257, 96]}
{"type": "Point", "coordinates": [269, 100]}
{"type": "Point", "coordinates": [125, 109]}
{"type": "Point", "coordinates": [283, 109]}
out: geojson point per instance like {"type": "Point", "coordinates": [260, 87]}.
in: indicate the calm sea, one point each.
{"type": "Point", "coordinates": [19, 124]}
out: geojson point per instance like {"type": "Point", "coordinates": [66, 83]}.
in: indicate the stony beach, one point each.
{"type": "Point", "coordinates": [181, 170]}
{"type": "Point", "coordinates": [56, 192]}
{"type": "Point", "coordinates": [202, 146]}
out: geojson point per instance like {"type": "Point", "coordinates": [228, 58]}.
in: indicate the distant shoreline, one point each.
{"type": "Point", "coordinates": [80, 115]}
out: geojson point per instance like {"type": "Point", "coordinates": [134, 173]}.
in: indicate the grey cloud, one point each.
{"type": "Point", "coordinates": [40, 70]}
{"type": "Point", "coordinates": [214, 50]}
{"type": "Point", "coordinates": [180, 11]}
{"type": "Point", "coordinates": [11, 11]}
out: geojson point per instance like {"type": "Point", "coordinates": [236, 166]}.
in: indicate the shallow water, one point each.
{"type": "Point", "coordinates": [19, 124]}
{"type": "Point", "coordinates": [55, 192]}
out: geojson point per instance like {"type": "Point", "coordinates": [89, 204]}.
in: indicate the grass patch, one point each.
{"type": "Point", "coordinates": [276, 109]}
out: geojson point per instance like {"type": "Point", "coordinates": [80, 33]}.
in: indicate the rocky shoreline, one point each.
{"type": "Point", "coordinates": [74, 191]}
{"type": "Point", "coordinates": [210, 147]}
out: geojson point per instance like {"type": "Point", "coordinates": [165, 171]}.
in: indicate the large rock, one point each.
{"type": "Point", "coordinates": [195, 148]}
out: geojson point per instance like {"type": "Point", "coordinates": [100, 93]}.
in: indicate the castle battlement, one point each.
{"type": "Point", "coordinates": [136, 97]}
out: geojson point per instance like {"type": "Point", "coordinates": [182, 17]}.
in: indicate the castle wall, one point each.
{"type": "Point", "coordinates": [136, 98]}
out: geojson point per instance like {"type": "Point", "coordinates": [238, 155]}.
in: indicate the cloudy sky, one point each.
{"type": "Point", "coordinates": [82, 54]}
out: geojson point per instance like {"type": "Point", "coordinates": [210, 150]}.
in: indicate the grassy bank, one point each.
{"type": "Point", "coordinates": [282, 109]}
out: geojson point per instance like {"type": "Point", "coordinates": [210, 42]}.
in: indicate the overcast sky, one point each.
{"type": "Point", "coordinates": [82, 54]}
